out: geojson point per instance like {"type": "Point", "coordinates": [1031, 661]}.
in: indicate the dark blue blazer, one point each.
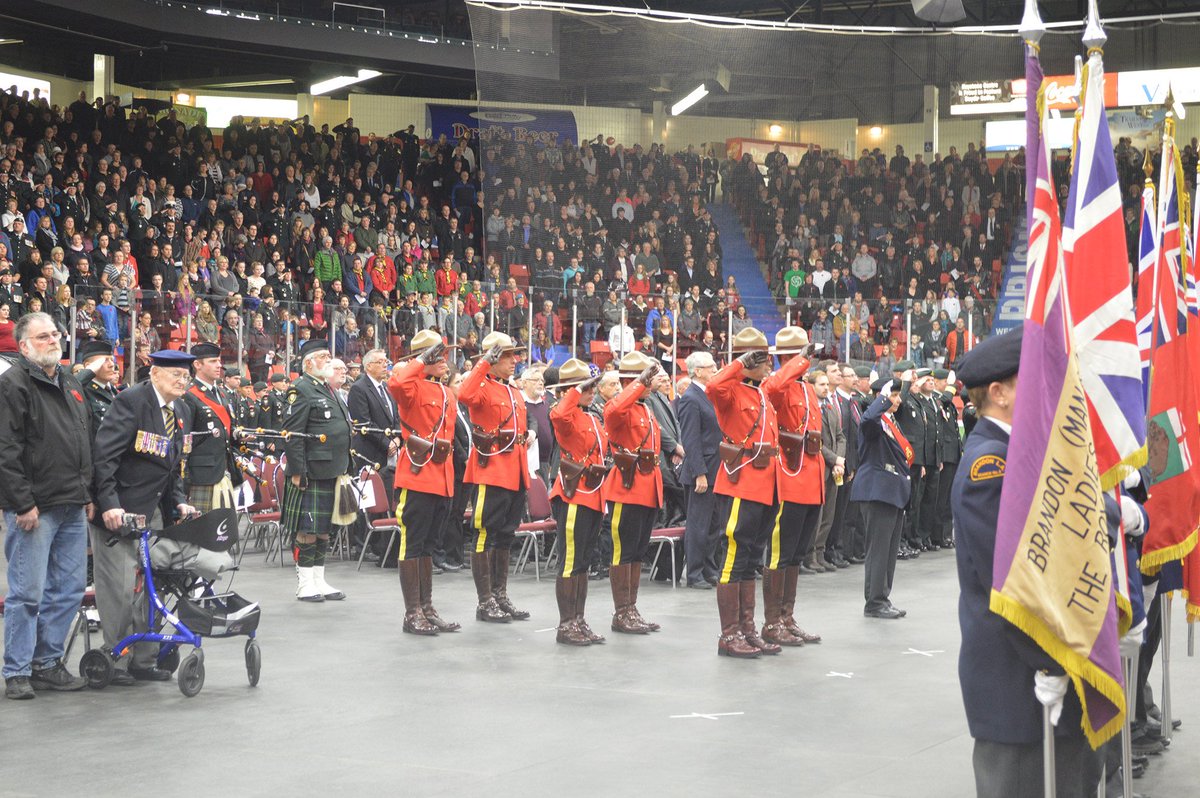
{"type": "Point", "coordinates": [700, 435]}
{"type": "Point", "coordinates": [997, 661]}
{"type": "Point", "coordinates": [882, 467]}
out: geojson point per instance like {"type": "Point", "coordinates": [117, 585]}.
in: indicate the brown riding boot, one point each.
{"type": "Point", "coordinates": [500, 560]}
{"type": "Point", "coordinates": [581, 591]}
{"type": "Point", "coordinates": [569, 632]}
{"type": "Point", "coordinates": [731, 643]}
{"type": "Point", "coordinates": [746, 590]}
{"type": "Point", "coordinates": [481, 570]}
{"type": "Point", "coordinates": [773, 630]}
{"type": "Point", "coordinates": [791, 575]}
{"type": "Point", "coordinates": [635, 581]}
{"type": "Point", "coordinates": [431, 615]}
{"type": "Point", "coordinates": [623, 620]}
{"type": "Point", "coordinates": [410, 588]}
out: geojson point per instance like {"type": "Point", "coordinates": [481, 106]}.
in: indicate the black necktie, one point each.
{"type": "Point", "coordinates": [384, 398]}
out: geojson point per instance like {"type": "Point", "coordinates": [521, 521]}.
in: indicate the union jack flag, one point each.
{"type": "Point", "coordinates": [1100, 294]}
{"type": "Point", "coordinates": [1147, 260]}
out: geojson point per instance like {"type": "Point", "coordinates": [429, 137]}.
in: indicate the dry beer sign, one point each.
{"type": "Point", "coordinates": [536, 127]}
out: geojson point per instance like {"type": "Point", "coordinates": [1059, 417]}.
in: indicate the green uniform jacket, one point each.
{"type": "Point", "coordinates": [313, 409]}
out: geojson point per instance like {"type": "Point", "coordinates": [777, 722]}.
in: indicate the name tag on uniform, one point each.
{"type": "Point", "coordinates": [328, 414]}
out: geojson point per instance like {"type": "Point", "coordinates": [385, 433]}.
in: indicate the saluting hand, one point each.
{"type": "Point", "coordinates": [755, 359]}
{"type": "Point", "coordinates": [647, 376]}
{"type": "Point", "coordinates": [493, 355]}
{"type": "Point", "coordinates": [434, 353]}
{"type": "Point", "coordinates": [589, 385]}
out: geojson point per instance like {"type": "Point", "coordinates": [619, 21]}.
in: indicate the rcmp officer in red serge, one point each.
{"type": "Point", "coordinates": [634, 487]}
{"type": "Point", "coordinates": [137, 452]}
{"type": "Point", "coordinates": [882, 485]}
{"type": "Point", "coordinates": [575, 497]}
{"type": "Point", "coordinates": [206, 446]}
{"type": "Point", "coordinates": [424, 474]}
{"type": "Point", "coordinates": [499, 469]}
{"type": "Point", "coordinates": [316, 457]}
{"type": "Point", "coordinates": [801, 485]}
{"type": "Point", "coordinates": [749, 477]}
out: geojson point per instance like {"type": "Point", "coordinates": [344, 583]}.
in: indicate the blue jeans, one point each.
{"type": "Point", "coordinates": [47, 573]}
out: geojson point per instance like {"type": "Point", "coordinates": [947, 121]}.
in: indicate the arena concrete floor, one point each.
{"type": "Point", "coordinates": [349, 705]}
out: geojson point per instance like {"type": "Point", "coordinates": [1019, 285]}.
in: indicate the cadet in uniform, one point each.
{"type": "Point", "coordinates": [912, 422]}
{"type": "Point", "coordinates": [136, 463]}
{"type": "Point", "coordinates": [424, 475]}
{"type": "Point", "coordinates": [500, 471]}
{"type": "Point", "coordinates": [246, 404]}
{"type": "Point", "coordinates": [997, 662]}
{"type": "Point", "coordinates": [98, 378]}
{"type": "Point", "coordinates": [801, 485]}
{"type": "Point", "coordinates": [206, 443]}
{"type": "Point", "coordinates": [882, 485]}
{"type": "Point", "coordinates": [634, 488]}
{"type": "Point", "coordinates": [313, 467]}
{"type": "Point", "coordinates": [749, 477]}
{"type": "Point", "coordinates": [575, 497]}
{"type": "Point", "coordinates": [950, 443]}
{"type": "Point", "coordinates": [930, 522]}
{"type": "Point", "coordinates": [272, 404]}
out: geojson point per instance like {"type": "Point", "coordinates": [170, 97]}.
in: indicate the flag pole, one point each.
{"type": "Point", "coordinates": [1166, 667]}
{"type": "Point", "coordinates": [1031, 31]}
{"type": "Point", "coordinates": [1131, 678]}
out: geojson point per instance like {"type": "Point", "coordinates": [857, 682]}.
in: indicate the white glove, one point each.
{"type": "Point", "coordinates": [1051, 690]}
{"type": "Point", "coordinates": [1131, 643]}
{"type": "Point", "coordinates": [1133, 480]}
{"type": "Point", "coordinates": [887, 389]}
{"type": "Point", "coordinates": [953, 378]}
{"type": "Point", "coordinates": [1131, 517]}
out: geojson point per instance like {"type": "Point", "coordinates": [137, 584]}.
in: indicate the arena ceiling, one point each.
{"type": "Point", "coordinates": [606, 61]}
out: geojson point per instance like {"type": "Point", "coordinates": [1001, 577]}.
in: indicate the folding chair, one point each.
{"type": "Point", "coordinates": [271, 519]}
{"type": "Point", "coordinates": [530, 533]}
{"type": "Point", "coordinates": [666, 537]}
{"type": "Point", "coordinates": [379, 517]}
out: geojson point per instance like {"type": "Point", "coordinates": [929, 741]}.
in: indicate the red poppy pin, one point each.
{"type": "Point", "coordinates": [78, 396]}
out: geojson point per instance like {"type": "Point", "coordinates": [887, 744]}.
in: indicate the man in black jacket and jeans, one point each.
{"type": "Point", "coordinates": [45, 493]}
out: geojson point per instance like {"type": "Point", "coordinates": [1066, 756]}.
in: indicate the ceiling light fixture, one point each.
{"type": "Point", "coordinates": [697, 94]}
{"type": "Point", "coordinates": [342, 81]}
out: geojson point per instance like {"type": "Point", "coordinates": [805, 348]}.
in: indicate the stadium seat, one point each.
{"type": "Point", "coordinates": [666, 538]}
{"type": "Point", "coordinates": [530, 533]}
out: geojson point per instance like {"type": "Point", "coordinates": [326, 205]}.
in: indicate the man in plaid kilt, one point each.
{"type": "Point", "coordinates": [317, 451]}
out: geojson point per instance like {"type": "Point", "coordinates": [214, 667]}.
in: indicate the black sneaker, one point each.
{"type": "Point", "coordinates": [56, 678]}
{"type": "Point", "coordinates": [17, 688]}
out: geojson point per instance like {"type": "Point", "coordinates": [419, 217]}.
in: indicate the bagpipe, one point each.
{"type": "Point", "coordinates": [280, 434]}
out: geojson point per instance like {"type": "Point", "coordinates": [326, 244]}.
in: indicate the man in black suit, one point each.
{"type": "Point", "coordinates": [137, 453]}
{"type": "Point", "coordinates": [843, 551]}
{"type": "Point", "coordinates": [833, 448]}
{"type": "Point", "coordinates": [674, 499]}
{"type": "Point", "coordinates": [372, 406]}
{"type": "Point", "coordinates": [700, 435]}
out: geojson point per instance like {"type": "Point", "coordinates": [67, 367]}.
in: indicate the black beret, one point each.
{"type": "Point", "coordinates": [941, 374]}
{"type": "Point", "coordinates": [259, 387]}
{"type": "Point", "coordinates": [91, 349]}
{"type": "Point", "coordinates": [232, 371]}
{"type": "Point", "coordinates": [992, 360]}
{"type": "Point", "coordinates": [171, 358]}
{"type": "Point", "coordinates": [882, 382]}
{"type": "Point", "coordinates": [205, 350]}
{"type": "Point", "coordinates": [313, 345]}
{"type": "Point", "coordinates": [277, 378]}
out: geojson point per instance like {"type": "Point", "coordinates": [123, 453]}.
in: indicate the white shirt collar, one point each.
{"type": "Point", "coordinates": [1001, 424]}
{"type": "Point", "coordinates": [162, 402]}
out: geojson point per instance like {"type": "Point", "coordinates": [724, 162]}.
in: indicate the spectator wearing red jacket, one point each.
{"type": "Point", "coordinates": [447, 278]}
{"type": "Point", "coordinates": [549, 321]}
{"type": "Point", "coordinates": [382, 270]}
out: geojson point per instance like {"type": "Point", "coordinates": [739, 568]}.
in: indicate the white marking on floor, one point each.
{"type": "Point", "coordinates": [928, 653]}
{"type": "Point", "coordinates": [550, 629]}
{"type": "Point", "coordinates": [849, 675]}
{"type": "Point", "coordinates": [708, 715]}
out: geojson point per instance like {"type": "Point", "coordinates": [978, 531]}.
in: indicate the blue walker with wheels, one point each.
{"type": "Point", "coordinates": [186, 602]}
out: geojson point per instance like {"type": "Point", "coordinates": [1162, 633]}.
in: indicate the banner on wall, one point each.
{"type": "Point", "coordinates": [1144, 128]}
{"type": "Point", "coordinates": [532, 126]}
{"type": "Point", "coordinates": [759, 148]}
{"type": "Point", "coordinates": [1010, 310]}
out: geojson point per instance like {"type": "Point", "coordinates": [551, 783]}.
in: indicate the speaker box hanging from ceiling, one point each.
{"type": "Point", "coordinates": [939, 11]}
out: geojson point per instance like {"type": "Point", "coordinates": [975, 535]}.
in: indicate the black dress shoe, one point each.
{"type": "Point", "coordinates": [892, 606]}
{"type": "Point", "coordinates": [701, 585]}
{"type": "Point", "coordinates": [887, 613]}
{"type": "Point", "coordinates": [121, 678]}
{"type": "Point", "coordinates": [856, 560]}
{"type": "Point", "coordinates": [448, 567]}
{"type": "Point", "coordinates": [150, 674]}
{"type": "Point", "coordinates": [804, 569]}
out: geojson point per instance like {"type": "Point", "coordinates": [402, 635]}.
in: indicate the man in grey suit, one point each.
{"type": "Point", "coordinates": [701, 435]}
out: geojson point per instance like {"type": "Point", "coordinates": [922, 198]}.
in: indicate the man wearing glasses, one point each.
{"type": "Point", "coordinates": [46, 494]}
{"type": "Point", "coordinates": [138, 450]}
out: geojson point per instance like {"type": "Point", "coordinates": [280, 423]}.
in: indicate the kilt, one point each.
{"type": "Point", "coordinates": [211, 497]}
{"type": "Point", "coordinates": [308, 511]}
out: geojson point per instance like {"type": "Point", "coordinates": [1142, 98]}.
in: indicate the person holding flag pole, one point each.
{"type": "Point", "coordinates": [1037, 608]}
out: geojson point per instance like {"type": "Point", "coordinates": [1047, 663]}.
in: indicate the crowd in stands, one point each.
{"type": "Point", "coordinates": [257, 236]}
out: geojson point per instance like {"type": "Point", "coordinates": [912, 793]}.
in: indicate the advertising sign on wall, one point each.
{"type": "Point", "coordinates": [532, 126]}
